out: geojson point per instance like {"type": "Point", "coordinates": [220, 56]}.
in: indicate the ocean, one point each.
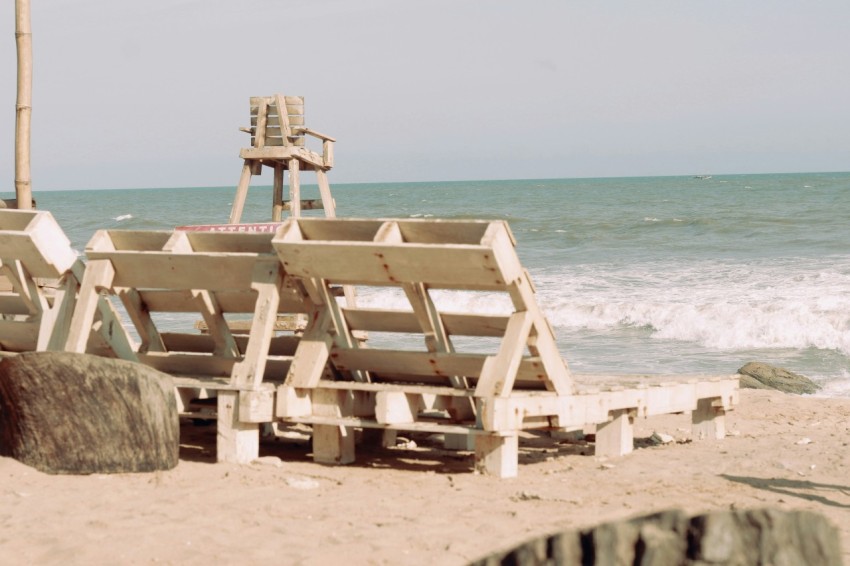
{"type": "Point", "coordinates": [654, 275]}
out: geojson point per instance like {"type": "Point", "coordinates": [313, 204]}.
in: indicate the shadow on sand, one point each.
{"type": "Point", "coordinates": [810, 491]}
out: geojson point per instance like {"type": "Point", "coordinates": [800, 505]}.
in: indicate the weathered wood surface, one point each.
{"type": "Point", "coordinates": [215, 275]}
{"type": "Point", "coordinates": [42, 275]}
{"type": "Point", "coordinates": [66, 413]}
{"type": "Point", "coordinates": [521, 383]}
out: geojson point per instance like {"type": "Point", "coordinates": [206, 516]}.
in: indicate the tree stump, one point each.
{"type": "Point", "coordinates": [65, 413]}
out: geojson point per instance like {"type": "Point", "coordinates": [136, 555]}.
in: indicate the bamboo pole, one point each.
{"type": "Point", "coordinates": [23, 108]}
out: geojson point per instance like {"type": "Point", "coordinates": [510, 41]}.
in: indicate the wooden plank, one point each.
{"type": "Point", "coordinates": [283, 116]}
{"type": "Point", "coordinates": [201, 365]}
{"type": "Point", "coordinates": [98, 275]}
{"type": "Point", "coordinates": [497, 456]}
{"type": "Point", "coordinates": [267, 279]}
{"type": "Point", "coordinates": [313, 352]}
{"type": "Point", "coordinates": [139, 314]}
{"type": "Point", "coordinates": [615, 438]}
{"type": "Point", "coordinates": [436, 426]}
{"type": "Point", "coordinates": [165, 270]}
{"type": "Point", "coordinates": [450, 266]}
{"type": "Point", "coordinates": [236, 441]}
{"type": "Point", "coordinates": [241, 194]}
{"type": "Point", "coordinates": [457, 324]}
{"type": "Point", "coordinates": [294, 188]}
{"type": "Point", "coordinates": [203, 343]}
{"type": "Point", "coordinates": [277, 193]}
{"type": "Point", "coordinates": [499, 371]}
{"type": "Point", "coordinates": [225, 345]}
{"type": "Point", "coordinates": [35, 238]}
{"type": "Point", "coordinates": [325, 192]}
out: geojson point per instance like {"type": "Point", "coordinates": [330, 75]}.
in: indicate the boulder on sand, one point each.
{"type": "Point", "coordinates": [740, 537]}
{"type": "Point", "coordinates": [758, 375]}
{"type": "Point", "coordinates": [65, 413]}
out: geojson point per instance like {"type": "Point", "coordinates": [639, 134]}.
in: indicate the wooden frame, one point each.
{"type": "Point", "coordinates": [43, 275]}
{"type": "Point", "coordinates": [211, 275]}
{"type": "Point", "coordinates": [488, 398]}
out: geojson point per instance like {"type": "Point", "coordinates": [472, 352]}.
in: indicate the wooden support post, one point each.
{"type": "Point", "coordinates": [709, 422]}
{"type": "Point", "coordinates": [616, 437]}
{"type": "Point", "coordinates": [64, 303]}
{"type": "Point", "coordinates": [332, 444]}
{"type": "Point", "coordinates": [277, 198]}
{"type": "Point", "coordinates": [294, 188]}
{"type": "Point", "coordinates": [497, 455]}
{"type": "Point", "coordinates": [98, 275]}
{"type": "Point", "coordinates": [325, 193]}
{"type": "Point", "coordinates": [236, 442]}
{"type": "Point", "coordinates": [459, 442]}
{"type": "Point", "coordinates": [241, 193]}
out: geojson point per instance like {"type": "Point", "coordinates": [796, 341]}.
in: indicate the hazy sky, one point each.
{"type": "Point", "coordinates": [151, 93]}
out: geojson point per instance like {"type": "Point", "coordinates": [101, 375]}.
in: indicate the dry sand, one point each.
{"type": "Point", "coordinates": [422, 505]}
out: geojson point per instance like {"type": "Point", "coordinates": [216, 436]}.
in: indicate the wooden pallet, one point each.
{"type": "Point", "coordinates": [444, 384]}
{"type": "Point", "coordinates": [215, 275]}
{"type": "Point", "coordinates": [42, 275]}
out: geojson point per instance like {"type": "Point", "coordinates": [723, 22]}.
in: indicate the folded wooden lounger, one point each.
{"type": "Point", "coordinates": [42, 276]}
{"type": "Point", "coordinates": [166, 281]}
{"type": "Point", "coordinates": [443, 382]}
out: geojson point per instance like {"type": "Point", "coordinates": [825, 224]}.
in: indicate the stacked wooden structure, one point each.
{"type": "Point", "coordinates": [43, 275]}
{"type": "Point", "coordinates": [480, 379]}
{"type": "Point", "coordinates": [220, 277]}
{"type": "Point", "coordinates": [337, 385]}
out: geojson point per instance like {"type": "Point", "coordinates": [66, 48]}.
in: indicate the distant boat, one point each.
{"type": "Point", "coordinates": [703, 177]}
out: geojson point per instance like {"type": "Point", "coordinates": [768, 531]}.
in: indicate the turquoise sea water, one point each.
{"type": "Point", "coordinates": [646, 275]}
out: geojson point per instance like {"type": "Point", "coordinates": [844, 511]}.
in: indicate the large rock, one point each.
{"type": "Point", "coordinates": [758, 375]}
{"type": "Point", "coordinates": [732, 538]}
{"type": "Point", "coordinates": [65, 413]}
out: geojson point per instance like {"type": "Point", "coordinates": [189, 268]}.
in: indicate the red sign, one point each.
{"type": "Point", "coordinates": [258, 227]}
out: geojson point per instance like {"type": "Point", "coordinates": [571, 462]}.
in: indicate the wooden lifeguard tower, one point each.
{"type": "Point", "coordinates": [278, 141]}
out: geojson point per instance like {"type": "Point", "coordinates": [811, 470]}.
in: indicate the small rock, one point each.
{"type": "Point", "coordinates": [806, 440]}
{"type": "Point", "coordinates": [302, 483]}
{"type": "Point", "coordinates": [758, 375]}
{"type": "Point", "coordinates": [268, 461]}
{"type": "Point", "coordinates": [661, 438]}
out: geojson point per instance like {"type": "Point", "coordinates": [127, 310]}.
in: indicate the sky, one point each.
{"type": "Point", "coordinates": [131, 94]}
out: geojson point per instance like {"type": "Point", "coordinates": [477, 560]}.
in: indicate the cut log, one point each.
{"type": "Point", "coordinates": [65, 413]}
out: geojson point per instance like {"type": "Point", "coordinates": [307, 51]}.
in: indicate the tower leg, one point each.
{"type": "Point", "coordinates": [294, 188]}
{"type": "Point", "coordinates": [325, 192]}
{"type": "Point", "coordinates": [241, 193]}
{"type": "Point", "coordinates": [277, 199]}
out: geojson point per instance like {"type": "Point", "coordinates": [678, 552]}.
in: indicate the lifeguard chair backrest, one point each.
{"type": "Point", "coordinates": [270, 126]}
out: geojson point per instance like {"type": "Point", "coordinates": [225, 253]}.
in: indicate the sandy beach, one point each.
{"type": "Point", "coordinates": [422, 505]}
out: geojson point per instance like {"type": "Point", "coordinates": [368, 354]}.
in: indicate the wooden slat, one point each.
{"type": "Point", "coordinates": [457, 324]}
{"type": "Point", "coordinates": [207, 366]}
{"type": "Point", "coordinates": [455, 267]}
{"type": "Point", "coordinates": [35, 239]}
{"type": "Point", "coordinates": [203, 343]}
{"type": "Point", "coordinates": [402, 362]}
{"type": "Point", "coordinates": [179, 271]}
